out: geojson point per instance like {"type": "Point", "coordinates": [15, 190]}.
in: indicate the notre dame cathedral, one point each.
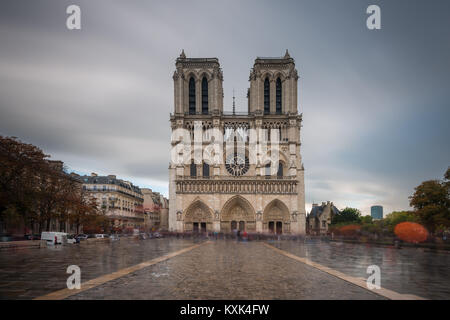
{"type": "Point", "coordinates": [236, 170]}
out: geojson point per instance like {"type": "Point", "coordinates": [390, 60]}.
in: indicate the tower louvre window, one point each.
{"type": "Point", "coordinates": [192, 96]}
{"type": "Point", "coordinates": [204, 96]}
{"type": "Point", "coordinates": [266, 96]}
{"type": "Point", "coordinates": [278, 96]}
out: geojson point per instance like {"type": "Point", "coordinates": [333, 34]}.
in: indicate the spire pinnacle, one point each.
{"type": "Point", "coordinates": [286, 55]}
{"type": "Point", "coordinates": [234, 105]}
{"type": "Point", "coordinates": [182, 55]}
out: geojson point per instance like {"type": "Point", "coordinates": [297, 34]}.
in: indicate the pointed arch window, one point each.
{"type": "Point", "coordinates": [278, 96]}
{"type": "Point", "coordinates": [193, 169]}
{"type": "Point", "coordinates": [266, 96]}
{"type": "Point", "coordinates": [204, 96]}
{"type": "Point", "coordinates": [205, 169]}
{"type": "Point", "coordinates": [280, 170]}
{"type": "Point", "coordinates": [192, 96]}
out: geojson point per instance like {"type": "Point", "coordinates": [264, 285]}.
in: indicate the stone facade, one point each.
{"type": "Point", "coordinates": [118, 199]}
{"type": "Point", "coordinates": [319, 218]}
{"type": "Point", "coordinates": [156, 210]}
{"type": "Point", "coordinates": [236, 170]}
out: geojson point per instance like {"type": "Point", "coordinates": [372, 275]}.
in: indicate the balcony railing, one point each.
{"type": "Point", "coordinates": [237, 178]}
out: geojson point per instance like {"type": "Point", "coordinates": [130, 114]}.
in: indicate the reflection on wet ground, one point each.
{"type": "Point", "coordinates": [228, 270]}
{"type": "Point", "coordinates": [223, 270]}
{"type": "Point", "coordinates": [407, 270]}
{"type": "Point", "coordinates": [28, 273]}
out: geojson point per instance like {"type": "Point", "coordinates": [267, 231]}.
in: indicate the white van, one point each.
{"type": "Point", "coordinates": [61, 237]}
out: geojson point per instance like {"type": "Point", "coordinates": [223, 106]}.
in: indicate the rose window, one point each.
{"type": "Point", "coordinates": [237, 165]}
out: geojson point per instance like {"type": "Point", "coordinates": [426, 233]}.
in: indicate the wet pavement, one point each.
{"type": "Point", "coordinates": [29, 273]}
{"type": "Point", "coordinates": [223, 270]}
{"type": "Point", "coordinates": [228, 270]}
{"type": "Point", "coordinates": [417, 271]}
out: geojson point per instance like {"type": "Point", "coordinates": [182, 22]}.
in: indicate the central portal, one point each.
{"type": "Point", "coordinates": [238, 214]}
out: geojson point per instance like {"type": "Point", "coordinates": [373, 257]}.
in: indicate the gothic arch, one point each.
{"type": "Point", "coordinates": [198, 211]}
{"type": "Point", "coordinates": [276, 210]}
{"type": "Point", "coordinates": [237, 208]}
{"type": "Point", "coordinates": [279, 74]}
{"type": "Point", "coordinates": [205, 74]}
{"type": "Point", "coordinates": [191, 74]}
{"type": "Point", "coordinates": [282, 157]}
{"type": "Point", "coordinates": [267, 75]}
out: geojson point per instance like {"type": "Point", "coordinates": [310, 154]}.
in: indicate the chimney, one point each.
{"type": "Point", "coordinates": [93, 174]}
{"type": "Point", "coordinates": [112, 176]}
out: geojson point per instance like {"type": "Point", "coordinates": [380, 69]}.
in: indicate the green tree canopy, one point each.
{"type": "Point", "coordinates": [347, 215]}
{"type": "Point", "coordinates": [431, 201]}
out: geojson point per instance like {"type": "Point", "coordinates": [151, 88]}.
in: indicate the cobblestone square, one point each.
{"type": "Point", "coordinates": [221, 269]}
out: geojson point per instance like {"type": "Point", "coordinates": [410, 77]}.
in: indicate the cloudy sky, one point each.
{"type": "Point", "coordinates": [375, 103]}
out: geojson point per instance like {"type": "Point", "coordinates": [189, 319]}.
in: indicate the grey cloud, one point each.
{"type": "Point", "coordinates": [374, 103]}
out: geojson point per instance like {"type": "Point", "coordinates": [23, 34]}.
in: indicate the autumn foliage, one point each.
{"type": "Point", "coordinates": [411, 232]}
{"type": "Point", "coordinates": [36, 191]}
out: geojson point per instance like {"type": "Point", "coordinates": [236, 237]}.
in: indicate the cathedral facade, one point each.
{"type": "Point", "coordinates": [236, 170]}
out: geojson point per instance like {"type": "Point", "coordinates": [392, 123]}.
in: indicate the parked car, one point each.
{"type": "Point", "coordinates": [72, 238]}
{"type": "Point", "coordinates": [90, 236]}
{"type": "Point", "coordinates": [5, 238]}
{"type": "Point", "coordinates": [114, 237]}
{"type": "Point", "coordinates": [32, 237]}
{"type": "Point", "coordinates": [157, 235]}
{"type": "Point", "coordinates": [82, 236]}
{"type": "Point", "coordinates": [100, 236]}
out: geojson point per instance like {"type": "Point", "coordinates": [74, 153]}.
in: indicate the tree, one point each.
{"type": "Point", "coordinates": [34, 189]}
{"type": "Point", "coordinates": [396, 217]}
{"type": "Point", "coordinates": [366, 219]}
{"type": "Point", "coordinates": [20, 164]}
{"type": "Point", "coordinates": [346, 216]}
{"type": "Point", "coordinates": [431, 201]}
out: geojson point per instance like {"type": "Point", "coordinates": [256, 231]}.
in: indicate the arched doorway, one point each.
{"type": "Point", "coordinates": [276, 218]}
{"type": "Point", "coordinates": [238, 214]}
{"type": "Point", "coordinates": [198, 218]}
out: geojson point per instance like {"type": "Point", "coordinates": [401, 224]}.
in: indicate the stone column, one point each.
{"type": "Point", "coordinates": [198, 96]}
{"type": "Point", "coordinates": [173, 200]}
{"type": "Point", "coordinates": [272, 96]}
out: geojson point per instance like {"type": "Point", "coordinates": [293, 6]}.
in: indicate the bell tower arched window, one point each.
{"type": "Point", "coordinates": [278, 96]}
{"type": "Point", "coordinates": [266, 96]}
{"type": "Point", "coordinates": [191, 96]}
{"type": "Point", "coordinates": [204, 96]}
